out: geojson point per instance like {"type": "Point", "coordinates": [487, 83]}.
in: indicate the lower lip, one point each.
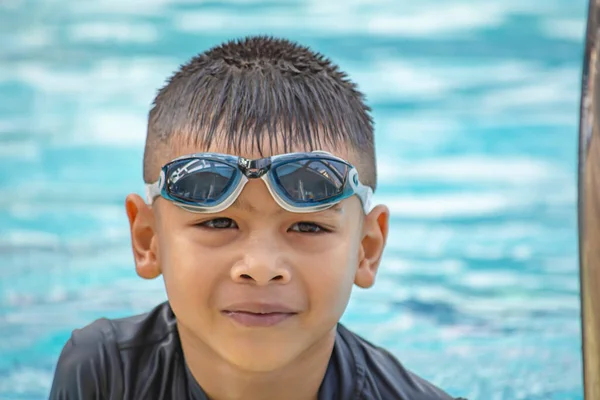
{"type": "Point", "coordinates": [257, 320]}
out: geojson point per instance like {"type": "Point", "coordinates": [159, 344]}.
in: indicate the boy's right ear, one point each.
{"type": "Point", "coordinates": [144, 241]}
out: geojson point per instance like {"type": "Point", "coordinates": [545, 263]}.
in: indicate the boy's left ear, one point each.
{"type": "Point", "coordinates": [374, 237]}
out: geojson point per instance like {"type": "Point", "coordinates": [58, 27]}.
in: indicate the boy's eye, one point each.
{"type": "Point", "coordinates": [307, 227]}
{"type": "Point", "coordinates": [219, 223]}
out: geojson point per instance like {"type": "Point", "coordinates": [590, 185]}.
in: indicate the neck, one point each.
{"type": "Point", "coordinates": [219, 379]}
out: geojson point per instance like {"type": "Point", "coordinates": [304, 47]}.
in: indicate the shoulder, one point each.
{"type": "Point", "coordinates": [86, 363]}
{"type": "Point", "coordinates": [91, 362]}
{"type": "Point", "coordinates": [384, 376]}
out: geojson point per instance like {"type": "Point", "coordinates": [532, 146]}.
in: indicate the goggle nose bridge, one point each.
{"type": "Point", "coordinates": [254, 169]}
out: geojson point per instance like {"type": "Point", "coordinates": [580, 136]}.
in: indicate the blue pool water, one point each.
{"type": "Point", "coordinates": [476, 106]}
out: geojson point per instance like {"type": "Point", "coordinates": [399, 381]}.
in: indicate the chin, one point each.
{"type": "Point", "coordinates": [261, 357]}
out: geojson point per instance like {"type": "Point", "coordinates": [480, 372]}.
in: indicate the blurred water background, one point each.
{"type": "Point", "coordinates": [476, 104]}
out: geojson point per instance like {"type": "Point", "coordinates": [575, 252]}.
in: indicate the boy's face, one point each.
{"type": "Point", "coordinates": [255, 284]}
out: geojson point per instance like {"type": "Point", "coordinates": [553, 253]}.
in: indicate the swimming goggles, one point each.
{"type": "Point", "coordinates": [299, 182]}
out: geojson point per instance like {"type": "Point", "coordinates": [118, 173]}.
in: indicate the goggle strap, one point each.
{"type": "Point", "coordinates": [151, 192]}
{"type": "Point", "coordinates": [153, 189]}
{"type": "Point", "coordinates": [367, 197]}
{"type": "Point", "coordinates": [364, 193]}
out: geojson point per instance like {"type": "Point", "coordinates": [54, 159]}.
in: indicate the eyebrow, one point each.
{"type": "Point", "coordinates": [244, 205]}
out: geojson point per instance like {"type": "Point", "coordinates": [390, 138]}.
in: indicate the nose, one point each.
{"type": "Point", "coordinates": [261, 266]}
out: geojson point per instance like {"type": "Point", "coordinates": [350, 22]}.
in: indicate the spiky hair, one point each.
{"type": "Point", "coordinates": [261, 91]}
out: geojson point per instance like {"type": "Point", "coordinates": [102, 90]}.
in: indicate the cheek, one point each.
{"type": "Point", "coordinates": [189, 272]}
{"type": "Point", "coordinates": [330, 277]}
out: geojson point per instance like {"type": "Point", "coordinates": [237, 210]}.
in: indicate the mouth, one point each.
{"type": "Point", "coordinates": [259, 315]}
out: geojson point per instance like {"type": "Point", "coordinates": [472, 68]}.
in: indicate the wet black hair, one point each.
{"type": "Point", "coordinates": [261, 91]}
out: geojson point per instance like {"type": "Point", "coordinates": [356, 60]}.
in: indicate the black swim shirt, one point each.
{"type": "Point", "coordinates": [140, 357]}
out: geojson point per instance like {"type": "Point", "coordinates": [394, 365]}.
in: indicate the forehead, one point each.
{"type": "Point", "coordinates": [253, 151]}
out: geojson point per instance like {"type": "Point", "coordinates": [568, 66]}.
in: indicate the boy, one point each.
{"type": "Point", "coordinates": [259, 239]}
